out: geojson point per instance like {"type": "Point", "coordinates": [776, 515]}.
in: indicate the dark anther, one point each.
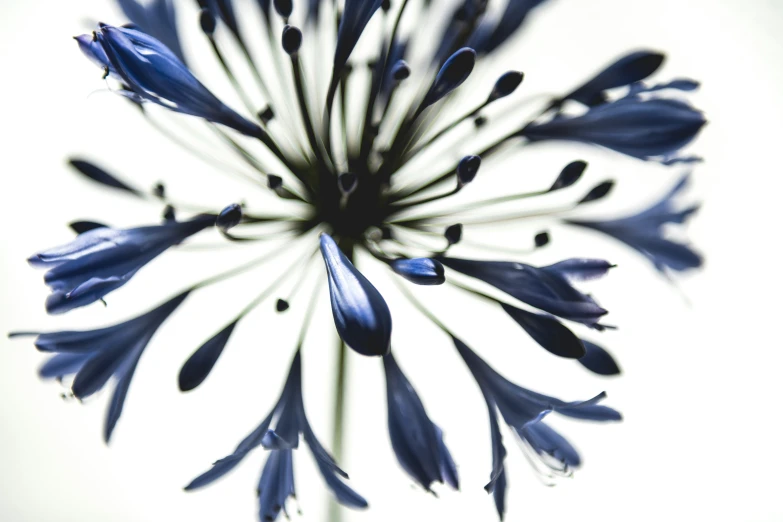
{"type": "Point", "coordinates": [400, 70]}
{"type": "Point", "coordinates": [105, 73]}
{"type": "Point", "coordinates": [275, 182]}
{"type": "Point", "coordinates": [292, 39]}
{"type": "Point", "coordinates": [467, 169]}
{"type": "Point", "coordinates": [229, 217]}
{"type": "Point", "coordinates": [169, 213]}
{"type": "Point", "coordinates": [479, 121]}
{"type": "Point", "coordinates": [266, 114]}
{"type": "Point", "coordinates": [282, 305]}
{"type": "Point", "coordinates": [284, 8]}
{"type": "Point", "coordinates": [541, 239]}
{"type": "Point", "coordinates": [208, 22]}
{"type": "Point", "coordinates": [453, 234]}
{"type": "Point", "coordinates": [159, 191]}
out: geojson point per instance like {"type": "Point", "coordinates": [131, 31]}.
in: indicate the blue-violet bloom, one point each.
{"type": "Point", "coordinates": [327, 159]}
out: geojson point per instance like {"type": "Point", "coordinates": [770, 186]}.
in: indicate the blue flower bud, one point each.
{"type": "Point", "coordinates": [422, 270]}
{"type": "Point", "coordinates": [229, 217]}
{"type": "Point", "coordinates": [506, 85]}
{"type": "Point", "coordinates": [400, 70]}
{"type": "Point", "coordinates": [644, 232]}
{"type": "Point", "coordinates": [155, 74]}
{"type": "Point", "coordinates": [650, 128]}
{"type": "Point", "coordinates": [90, 47]}
{"type": "Point", "coordinates": [569, 175]}
{"type": "Point", "coordinates": [157, 18]}
{"type": "Point", "coordinates": [361, 316]}
{"type": "Point", "coordinates": [453, 74]}
{"type": "Point", "coordinates": [200, 363]}
{"type": "Point", "coordinates": [284, 7]}
{"type": "Point", "coordinates": [629, 69]}
{"type": "Point", "coordinates": [600, 191]}
{"type": "Point", "coordinates": [356, 16]}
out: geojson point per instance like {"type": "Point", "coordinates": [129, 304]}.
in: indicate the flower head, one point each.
{"type": "Point", "coordinates": [417, 441]}
{"type": "Point", "coordinates": [361, 316]}
{"type": "Point", "coordinates": [93, 357]}
{"type": "Point", "coordinates": [644, 232]}
{"type": "Point", "coordinates": [652, 128]}
{"type": "Point", "coordinates": [103, 259]}
{"type": "Point", "coordinates": [277, 479]}
{"type": "Point", "coordinates": [340, 168]}
{"type": "Point", "coordinates": [523, 410]}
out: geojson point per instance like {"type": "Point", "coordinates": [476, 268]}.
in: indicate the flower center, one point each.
{"type": "Point", "coordinates": [350, 213]}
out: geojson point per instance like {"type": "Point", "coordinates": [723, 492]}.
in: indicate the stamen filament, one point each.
{"type": "Point", "coordinates": [296, 67]}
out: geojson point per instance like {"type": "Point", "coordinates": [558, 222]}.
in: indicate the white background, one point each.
{"type": "Point", "coordinates": [701, 383]}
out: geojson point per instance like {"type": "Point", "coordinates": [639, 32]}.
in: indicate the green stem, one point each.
{"type": "Point", "coordinates": [340, 397]}
{"type": "Point", "coordinates": [335, 511]}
